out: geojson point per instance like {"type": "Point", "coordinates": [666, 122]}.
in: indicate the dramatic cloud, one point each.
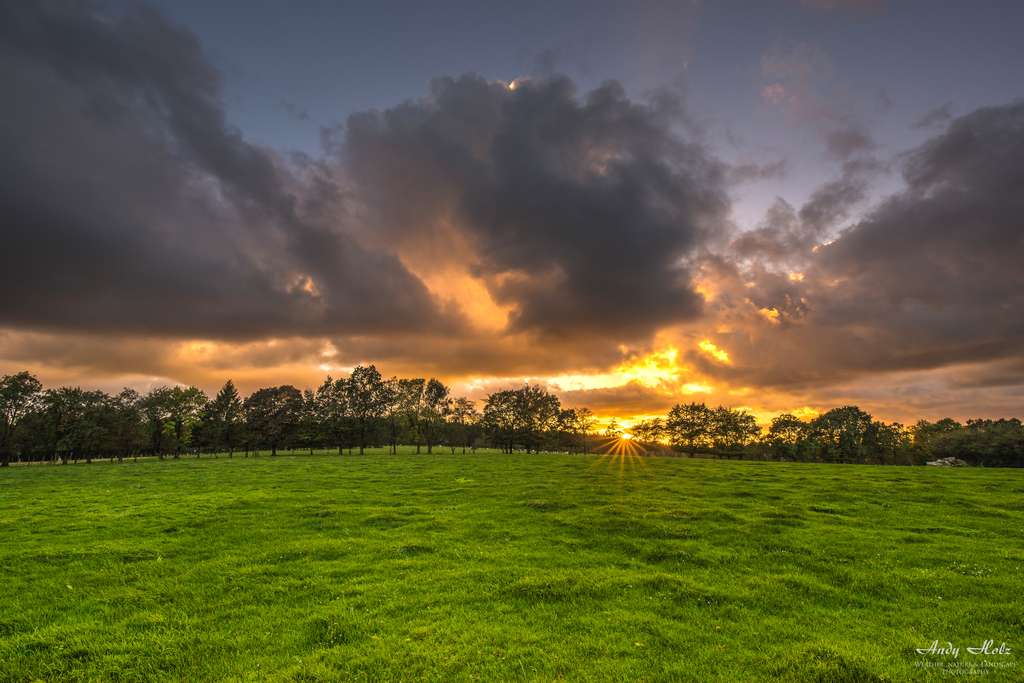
{"type": "Point", "coordinates": [481, 216]}
{"type": "Point", "coordinates": [577, 216]}
{"type": "Point", "coordinates": [133, 206]}
{"type": "Point", "coordinates": [930, 279]}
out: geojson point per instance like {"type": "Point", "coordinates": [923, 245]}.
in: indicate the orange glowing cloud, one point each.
{"type": "Point", "coordinates": [714, 351]}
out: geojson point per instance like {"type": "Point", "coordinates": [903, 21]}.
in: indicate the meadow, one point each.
{"type": "Point", "coordinates": [492, 567]}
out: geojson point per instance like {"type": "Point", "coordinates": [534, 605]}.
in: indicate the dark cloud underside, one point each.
{"type": "Point", "coordinates": [132, 205]}
{"type": "Point", "coordinates": [933, 277]}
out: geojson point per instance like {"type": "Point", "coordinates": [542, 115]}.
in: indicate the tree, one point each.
{"type": "Point", "coordinates": [156, 411]}
{"type": "Point", "coordinates": [391, 404]}
{"type": "Point", "coordinates": [226, 409]}
{"type": "Point", "coordinates": [988, 443]}
{"type": "Point", "coordinates": [464, 420]}
{"type": "Point", "coordinates": [500, 420]}
{"type": "Point", "coordinates": [650, 430]}
{"type": "Point", "coordinates": [841, 434]}
{"type": "Point", "coordinates": [365, 387]}
{"type": "Point", "coordinates": [732, 430]}
{"type": "Point", "coordinates": [924, 433]}
{"type": "Point", "coordinates": [613, 429]}
{"type": "Point", "coordinates": [525, 417]}
{"type": "Point", "coordinates": [309, 427]}
{"type": "Point", "coordinates": [74, 420]}
{"type": "Point", "coordinates": [537, 415]}
{"type": "Point", "coordinates": [184, 407]}
{"type": "Point", "coordinates": [330, 404]}
{"type": "Point", "coordinates": [689, 427]}
{"type": "Point", "coordinates": [274, 414]}
{"type": "Point", "coordinates": [127, 433]}
{"type": "Point", "coordinates": [585, 421]}
{"type": "Point", "coordinates": [573, 429]}
{"type": "Point", "coordinates": [787, 437]}
{"type": "Point", "coordinates": [410, 405]}
{"type": "Point", "coordinates": [436, 407]}
{"type": "Point", "coordinates": [19, 394]}
{"type": "Point", "coordinates": [892, 444]}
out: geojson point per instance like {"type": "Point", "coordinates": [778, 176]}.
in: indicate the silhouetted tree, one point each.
{"type": "Point", "coordinates": [499, 419]}
{"type": "Point", "coordinates": [689, 427]}
{"type": "Point", "coordinates": [410, 405]}
{"type": "Point", "coordinates": [787, 437]}
{"type": "Point", "coordinates": [464, 424]}
{"type": "Point", "coordinates": [649, 430]}
{"type": "Point", "coordinates": [273, 414]}
{"type": "Point", "coordinates": [841, 434]}
{"type": "Point", "coordinates": [127, 432]}
{"type": "Point", "coordinates": [732, 431]}
{"type": "Point", "coordinates": [436, 406]}
{"type": "Point", "coordinates": [391, 406]}
{"type": "Point", "coordinates": [364, 398]}
{"type": "Point", "coordinates": [330, 403]}
{"type": "Point", "coordinates": [19, 394]}
{"type": "Point", "coordinates": [184, 407]}
{"type": "Point", "coordinates": [227, 411]}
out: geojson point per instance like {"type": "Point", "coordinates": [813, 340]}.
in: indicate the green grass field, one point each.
{"type": "Point", "coordinates": [494, 567]}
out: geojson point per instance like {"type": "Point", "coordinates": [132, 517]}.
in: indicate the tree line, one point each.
{"type": "Point", "coordinates": [363, 410]}
{"type": "Point", "coordinates": [841, 435]}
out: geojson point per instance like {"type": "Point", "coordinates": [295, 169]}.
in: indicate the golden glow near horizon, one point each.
{"type": "Point", "coordinates": [795, 276]}
{"type": "Point", "coordinates": [714, 351]}
{"type": "Point", "coordinates": [658, 367]}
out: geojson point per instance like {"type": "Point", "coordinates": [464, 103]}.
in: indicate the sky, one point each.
{"type": "Point", "coordinates": [776, 206]}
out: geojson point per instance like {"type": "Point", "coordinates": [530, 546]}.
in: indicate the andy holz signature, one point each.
{"type": "Point", "coordinates": [987, 648]}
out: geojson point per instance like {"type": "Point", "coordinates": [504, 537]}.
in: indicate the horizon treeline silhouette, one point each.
{"type": "Point", "coordinates": [364, 410]}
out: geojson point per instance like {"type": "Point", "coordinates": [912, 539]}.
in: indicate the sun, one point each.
{"type": "Point", "coordinates": [627, 437]}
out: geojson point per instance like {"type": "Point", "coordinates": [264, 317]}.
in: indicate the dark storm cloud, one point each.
{"type": "Point", "coordinates": [128, 203]}
{"type": "Point", "coordinates": [941, 262]}
{"type": "Point", "coordinates": [931, 278]}
{"type": "Point", "coordinates": [579, 214]}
